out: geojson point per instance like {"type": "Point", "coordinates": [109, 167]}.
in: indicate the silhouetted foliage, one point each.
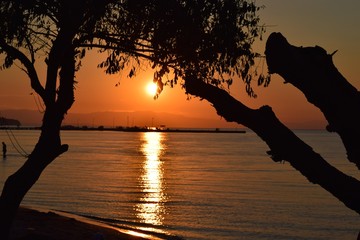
{"type": "Point", "coordinates": [212, 39]}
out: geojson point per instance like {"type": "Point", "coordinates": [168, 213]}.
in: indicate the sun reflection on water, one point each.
{"type": "Point", "coordinates": [150, 208]}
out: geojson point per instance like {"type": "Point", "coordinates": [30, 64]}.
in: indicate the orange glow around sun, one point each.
{"type": "Point", "coordinates": [151, 89]}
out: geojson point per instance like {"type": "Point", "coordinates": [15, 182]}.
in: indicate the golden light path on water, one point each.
{"type": "Point", "coordinates": [150, 208]}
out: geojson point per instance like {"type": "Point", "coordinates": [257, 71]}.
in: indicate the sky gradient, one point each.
{"type": "Point", "coordinates": [333, 25]}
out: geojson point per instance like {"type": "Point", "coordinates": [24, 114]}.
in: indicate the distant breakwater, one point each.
{"type": "Point", "coordinates": [132, 129]}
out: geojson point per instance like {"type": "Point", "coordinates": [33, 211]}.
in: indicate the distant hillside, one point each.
{"type": "Point", "coordinates": [26, 117]}
{"type": "Point", "coordinates": [9, 122]}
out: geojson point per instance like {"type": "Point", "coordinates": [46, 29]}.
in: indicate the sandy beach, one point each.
{"type": "Point", "coordinates": [32, 224]}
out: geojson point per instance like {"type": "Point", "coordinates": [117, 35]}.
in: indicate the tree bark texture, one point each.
{"type": "Point", "coordinates": [312, 71]}
{"type": "Point", "coordinates": [284, 144]}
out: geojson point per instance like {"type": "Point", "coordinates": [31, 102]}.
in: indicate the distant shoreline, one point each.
{"type": "Point", "coordinates": [132, 129]}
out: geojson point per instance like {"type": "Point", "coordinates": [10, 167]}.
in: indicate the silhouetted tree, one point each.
{"type": "Point", "coordinates": [207, 39]}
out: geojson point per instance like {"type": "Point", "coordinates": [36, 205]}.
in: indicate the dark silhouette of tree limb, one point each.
{"type": "Point", "coordinates": [312, 71]}
{"type": "Point", "coordinates": [283, 143]}
{"type": "Point", "coordinates": [29, 65]}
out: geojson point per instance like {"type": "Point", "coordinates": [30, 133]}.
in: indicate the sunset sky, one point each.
{"type": "Point", "coordinates": [333, 25]}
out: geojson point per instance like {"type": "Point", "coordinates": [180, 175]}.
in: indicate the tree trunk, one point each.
{"type": "Point", "coordinates": [17, 185]}
{"type": "Point", "coordinates": [311, 70]}
{"type": "Point", "coordinates": [284, 144]}
{"type": "Point", "coordinates": [48, 147]}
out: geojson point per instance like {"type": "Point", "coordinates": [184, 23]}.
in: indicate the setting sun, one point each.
{"type": "Point", "coordinates": [151, 89]}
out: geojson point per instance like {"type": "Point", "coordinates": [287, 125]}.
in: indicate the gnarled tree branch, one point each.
{"type": "Point", "coordinates": [30, 69]}
{"type": "Point", "coordinates": [312, 71]}
{"type": "Point", "coordinates": [283, 143]}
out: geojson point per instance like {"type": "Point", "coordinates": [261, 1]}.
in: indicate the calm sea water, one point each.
{"type": "Point", "coordinates": [195, 186]}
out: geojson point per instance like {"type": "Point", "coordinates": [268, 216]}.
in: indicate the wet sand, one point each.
{"type": "Point", "coordinates": [49, 225]}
